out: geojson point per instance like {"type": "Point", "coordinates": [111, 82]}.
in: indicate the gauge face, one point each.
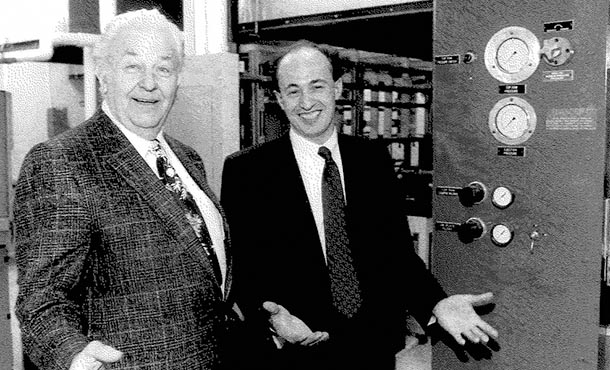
{"type": "Point", "coordinates": [512, 121]}
{"type": "Point", "coordinates": [502, 197]}
{"type": "Point", "coordinates": [501, 235]}
{"type": "Point", "coordinates": [512, 54]}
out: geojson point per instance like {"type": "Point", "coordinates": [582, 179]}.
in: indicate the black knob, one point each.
{"type": "Point", "coordinates": [469, 57]}
{"type": "Point", "coordinates": [472, 194]}
{"type": "Point", "coordinates": [471, 230]}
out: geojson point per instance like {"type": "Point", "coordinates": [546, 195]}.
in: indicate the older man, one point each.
{"type": "Point", "coordinates": [121, 245]}
{"type": "Point", "coordinates": [327, 256]}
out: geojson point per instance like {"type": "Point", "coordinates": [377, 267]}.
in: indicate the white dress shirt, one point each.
{"type": "Point", "coordinates": [311, 166]}
{"type": "Point", "coordinates": [210, 213]}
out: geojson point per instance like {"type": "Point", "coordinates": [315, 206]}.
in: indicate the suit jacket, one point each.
{"type": "Point", "coordinates": [278, 256]}
{"type": "Point", "coordinates": [105, 253]}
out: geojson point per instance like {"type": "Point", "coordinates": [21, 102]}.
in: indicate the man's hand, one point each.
{"type": "Point", "coordinates": [456, 315]}
{"type": "Point", "coordinates": [290, 328]}
{"type": "Point", "coordinates": [94, 356]}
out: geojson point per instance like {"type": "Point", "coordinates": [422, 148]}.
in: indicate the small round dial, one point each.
{"type": "Point", "coordinates": [501, 235]}
{"type": "Point", "coordinates": [502, 197]}
{"type": "Point", "coordinates": [512, 120]}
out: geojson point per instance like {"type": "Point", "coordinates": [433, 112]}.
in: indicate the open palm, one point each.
{"type": "Point", "coordinates": [290, 328]}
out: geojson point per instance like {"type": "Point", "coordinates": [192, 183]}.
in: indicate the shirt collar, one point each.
{"type": "Point", "coordinates": [304, 147]}
{"type": "Point", "coordinates": [142, 145]}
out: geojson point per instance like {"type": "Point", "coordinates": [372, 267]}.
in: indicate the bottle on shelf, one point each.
{"type": "Point", "coordinates": [381, 118]}
{"type": "Point", "coordinates": [395, 130]}
{"type": "Point", "coordinates": [401, 96]}
{"type": "Point", "coordinates": [370, 113]}
{"type": "Point", "coordinates": [347, 79]}
{"type": "Point", "coordinates": [370, 79]}
{"type": "Point", "coordinates": [419, 114]}
{"type": "Point", "coordinates": [348, 126]}
{"type": "Point", "coordinates": [414, 153]}
{"type": "Point", "coordinates": [366, 118]}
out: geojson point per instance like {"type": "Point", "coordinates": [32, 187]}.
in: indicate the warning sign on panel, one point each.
{"type": "Point", "coordinates": [572, 119]}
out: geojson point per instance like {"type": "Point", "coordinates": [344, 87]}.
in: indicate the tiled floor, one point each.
{"type": "Point", "coordinates": [415, 356]}
{"type": "Point", "coordinates": [419, 356]}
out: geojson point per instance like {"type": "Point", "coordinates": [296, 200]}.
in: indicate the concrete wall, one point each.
{"type": "Point", "coordinates": [35, 88]}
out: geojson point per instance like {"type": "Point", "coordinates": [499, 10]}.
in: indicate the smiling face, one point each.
{"type": "Point", "coordinates": [307, 93]}
{"type": "Point", "coordinates": [141, 78]}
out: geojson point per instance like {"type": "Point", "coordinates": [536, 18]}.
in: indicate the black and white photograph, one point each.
{"type": "Point", "coordinates": [304, 185]}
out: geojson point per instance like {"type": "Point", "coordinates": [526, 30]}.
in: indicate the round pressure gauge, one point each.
{"type": "Point", "coordinates": [512, 120]}
{"type": "Point", "coordinates": [502, 197]}
{"type": "Point", "coordinates": [501, 235]}
{"type": "Point", "coordinates": [512, 54]}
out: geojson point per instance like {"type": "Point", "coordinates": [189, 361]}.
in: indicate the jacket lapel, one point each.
{"type": "Point", "coordinates": [285, 174]}
{"type": "Point", "coordinates": [194, 166]}
{"type": "Point", "coordinates": [288, 169]}
{"type": "Point", "coordinates": [125, 159]}
{"type": "Point", "coordinates": [351, 172]}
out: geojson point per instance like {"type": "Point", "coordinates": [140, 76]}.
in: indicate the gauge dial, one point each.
{"type": "Point", "coordinates": [502, 197]}
{"type": "Point", "coordinates": [512, 121]}
{"type": "Point", "coordinates": [512, 54]}
{"type": "Point", "coordinates": [501, 235]}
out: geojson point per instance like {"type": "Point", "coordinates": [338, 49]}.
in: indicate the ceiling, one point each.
{"type": "Point", "coordinates": [404, 31]}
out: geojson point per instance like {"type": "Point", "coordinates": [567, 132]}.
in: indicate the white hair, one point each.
{"type": "Point", "coordinates": [102, 49]}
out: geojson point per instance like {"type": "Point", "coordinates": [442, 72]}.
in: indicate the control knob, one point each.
{"type": "Point", "coordinates": [472, 229]}
{"type": "Point", "coordinates": [472, 194]}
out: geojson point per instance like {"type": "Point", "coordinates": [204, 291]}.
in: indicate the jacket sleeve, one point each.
{"type": "Point", "coordinates": [417, 289]}
{"type": "Point", "coordinates": [235, 196]}
{"type": "Point", "coordinates": [52, 242]}
{"type": "Point", "coordinates": [238, 206]}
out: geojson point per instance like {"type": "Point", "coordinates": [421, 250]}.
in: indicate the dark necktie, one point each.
{"type": "Point", "coordinates": [343, 279]}
{"type": "Point", "coordinates": [185, 199]}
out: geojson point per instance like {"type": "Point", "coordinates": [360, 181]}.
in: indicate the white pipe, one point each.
{"type": "Point", "coordinates": [44, 51]}
{"type": "Point", "coordinates": [205, 27]}
{"type": "Point", "coordinates": [90, 85]}
{"type": "Point", "coordinates": [107, 12]}
{"type": "Point", "coordinates": [15, 330]}
{"type": "Point", "coordinates": [188, 16]}
{"type": "Point", "coordinates": [75, 39]}
{"type": "Point", "coordinates": [216, 15]}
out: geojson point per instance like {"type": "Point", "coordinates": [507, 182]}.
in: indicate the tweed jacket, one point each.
{"type": "Point", "coordinates": [105, 253]}
{"type": "Point", "coordinates": [278, 256]}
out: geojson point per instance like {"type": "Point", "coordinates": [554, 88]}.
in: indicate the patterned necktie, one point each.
{"type": "Point", "coordinates": [185, 199]}
{"type": "Point", "coordinates": [343, 280]}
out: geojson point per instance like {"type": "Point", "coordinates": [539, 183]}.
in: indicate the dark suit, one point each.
{"type": "Point", "coordinates": [278, 256]}
{"type": "Point", "coordinates": [105, 253]}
